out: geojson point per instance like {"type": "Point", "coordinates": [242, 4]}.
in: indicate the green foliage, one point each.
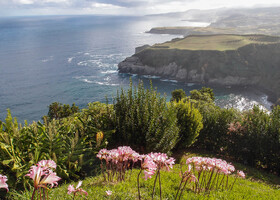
{"type": "Point", "coordinates": [216, 120]}
{"type": "Point", "coordinates": [256, 139]}
{"type": "Point", "coordinates": [189, 123]}
{"type": "Point", "coordinates": [144, 120]}
{"type": "Point", "coordinates": [70, 142]}
{"type": "Point", "coordinates": [204, 94]}
{"type": "Point", "coordinates": [58, 111]}
{"type": "Point", "coordinates": [177, 95]}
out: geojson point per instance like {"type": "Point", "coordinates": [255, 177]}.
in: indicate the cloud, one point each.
{"type": "Point", "coordinates": [128, 7]}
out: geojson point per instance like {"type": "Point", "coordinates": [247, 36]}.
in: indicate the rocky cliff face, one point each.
{"type": "Point", "coordinates": [254, 64]}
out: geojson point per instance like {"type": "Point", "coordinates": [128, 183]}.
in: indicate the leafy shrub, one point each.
{"type": "Point", "coordinates": [255, 139]}
{"type": "Point", "coordinates": [71, 142]}
{"type": "Point", "coordinates": [189, 123]}
{"type": "Point", "coordinates": [143, 119]}
{"type": "Point", "coordinates": [177, 95]}
{"type": "Point", "coordinates": [58, 111]}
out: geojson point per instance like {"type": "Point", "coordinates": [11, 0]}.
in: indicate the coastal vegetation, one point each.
{"type": "Point", "coordinates": [145, 121]}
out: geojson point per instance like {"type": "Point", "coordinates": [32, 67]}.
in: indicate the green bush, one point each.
{"type": "Point", "coordinates": [189, 123]}
{"type": "Point", "coordinates": [71, 142]}
{"type": "Point", "coordinates": [177, 95]}
{"type": "Point", "coordinates": [144, 120]}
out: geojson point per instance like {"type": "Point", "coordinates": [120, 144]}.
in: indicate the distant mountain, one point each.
{"type": "Point", "coordinates": [226, 21]}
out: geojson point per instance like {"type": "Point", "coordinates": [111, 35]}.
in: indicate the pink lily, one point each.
{"type": "Point", "coordinates": [76, 190]}
{"type": "Point", "coordinates": [3, 180]}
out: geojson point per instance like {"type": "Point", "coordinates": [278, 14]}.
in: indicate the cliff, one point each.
{"type": "Point", "coordinates": [239, 60]}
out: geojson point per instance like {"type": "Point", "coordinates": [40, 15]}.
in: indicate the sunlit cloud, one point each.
{"type": "Point", "coordinates": [120, 7]}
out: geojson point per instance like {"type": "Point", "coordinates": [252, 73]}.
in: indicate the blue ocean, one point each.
{"type": "Point", "coordinates": [74, 59]}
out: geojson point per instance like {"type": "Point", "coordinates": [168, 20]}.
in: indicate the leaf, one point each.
{"type": "Point", "coordinates": [7, 162]}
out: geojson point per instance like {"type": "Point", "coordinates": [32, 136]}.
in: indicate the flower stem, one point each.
{"type": "Point", "coordinates": [154, 185]}
{"type": "Point", "coordinates": [183, 188]}
{"type": "Point", "coordinates": [159, 183]}
{"type": "Point", "coordinates": [139, 184]}
{"type": "Point", "coordinates": [179, 187]}
{"type": "Point", "coordinates": [33, 194]}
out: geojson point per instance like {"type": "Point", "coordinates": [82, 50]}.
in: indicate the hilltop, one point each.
{"type": "Point", "coordinates": [222, 42]}
{"type": "Point", "coordinates": [225, 59]}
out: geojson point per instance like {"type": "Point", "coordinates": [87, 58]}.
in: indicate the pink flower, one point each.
{"type": "Point", "coordinates": [241, 174]}
{"type": "Point", "coordinates": [73, 190]}
{"type": "Point", "coordinates": [108, 192]}
{"type": "Point", "coordinates": [47, 163]}
{"type": "Point", "coordinates": [161, 160]}
{"type": "Point", "coordinates": [3, 180]}
{"type": "Point", "coordinates": [43, 176]}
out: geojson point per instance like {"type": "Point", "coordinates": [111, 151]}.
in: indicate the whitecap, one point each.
{"type": "Point", "coordinates": [50, 58]}
{"type": "Point", "coordinates": [82, 63]}
{"type": "Point", "coordinates": [168, 80]}
{"type": "Point", "coordinates": [150, 76]}
{"type": "Point", "coordinates": [190, 84]}
{"type": "Point", "coordinates": [70, 59]}
{"type": "Point", "coordinates": [109, 72]}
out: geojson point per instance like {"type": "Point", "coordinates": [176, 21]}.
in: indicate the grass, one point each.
{"type": "Point", "coordinates": [220, 42]}
{"type": "Point", "coordinates": [257, 185]}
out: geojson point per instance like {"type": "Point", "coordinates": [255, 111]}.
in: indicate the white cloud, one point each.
{"type": "Point", "coordinates": [124, 7]}
{"type": "Point", "coordinates": [104, 6]}
{"type": "Point", "coordinates": [25, 1]}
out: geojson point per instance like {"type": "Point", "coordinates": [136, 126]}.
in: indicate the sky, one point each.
{"type": "Point", "coordinates": [119, 7]}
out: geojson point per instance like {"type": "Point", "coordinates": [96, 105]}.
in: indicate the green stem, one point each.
{"type": "Point", "coordinates": [183, 189]}
{"type": "Point", "coordinates": [179, 187]}
{"type": "Point", "coordinates": [139, 184]}
{"type": "Point", "coordinates": [159, 183]}
{"type": "Point", "coordinates": [154, 185]}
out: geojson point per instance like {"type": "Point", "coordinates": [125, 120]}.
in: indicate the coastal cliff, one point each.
{"type": "Point", "coordinates": [224, 60]}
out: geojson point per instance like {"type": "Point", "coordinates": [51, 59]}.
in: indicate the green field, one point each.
{"type": "Point", "coordinates": [258, 185]}
{"type": "Point", "coordinates": [217, 42]}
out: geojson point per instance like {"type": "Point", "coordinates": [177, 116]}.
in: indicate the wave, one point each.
{"type": "Point", "coordinates": [109, 72]}
{"type": "Point", "coordinates": [82, 63]}
{"type": "Point", "coordinates": [150, 76]}
{"type": "Point", "coordinates": [70, 59]}
{"type": "Point", "coordinates": [190, 84]}
{"type": "Point", "coordinates": [50, 58]}
{"type": "Point", "coordinates": [169, 80]}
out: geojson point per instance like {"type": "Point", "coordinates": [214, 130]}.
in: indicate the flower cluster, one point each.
{"type": "Point", "coordinates": [119, 155]}
{"type": "Point", "coordinates": [149, 166]}
{"type": "Point", "coordinates": [117, 161]}
{"type": "Point", "coordinates": [3, 180]}
{"type": "Point", "coordinates": [162, 160]}
{"type": "Point", "coordinates": [209, 164]}
{"type": "Point", "coordinates": [212, 173]}
{"type": "Point", "coordinates": [43, 175]}
{"type": "Point", "coordinates": [76, 190]}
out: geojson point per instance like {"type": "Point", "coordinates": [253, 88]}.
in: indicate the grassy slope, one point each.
{"type": "Point", "coordinates": [217, 42]}
{"type": "Point", "coordinates": [257, 185]}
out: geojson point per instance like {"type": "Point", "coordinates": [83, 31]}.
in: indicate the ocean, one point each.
{"type": "Point", "coordinates": [74, 59]}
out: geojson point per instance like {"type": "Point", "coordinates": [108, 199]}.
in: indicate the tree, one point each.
{"type": "Point", "coordinates": [177, 95]}
{"type": "Point", "coordinates": [189, 123]}
{"type": "Point", "coordinates": [58, 110]}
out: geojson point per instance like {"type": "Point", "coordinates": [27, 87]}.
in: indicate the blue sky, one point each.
{"type": "Point", "coordinates": [118, 7]}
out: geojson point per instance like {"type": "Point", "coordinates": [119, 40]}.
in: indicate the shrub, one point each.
{"type": "Point", "coordinates": [58, 111]}
{"type": "Point", "coordinates": [189, 123]}
{"type": "Point", "coordinates": [143, 119]}
{"type": "Point", "coordinates": [177, 95]}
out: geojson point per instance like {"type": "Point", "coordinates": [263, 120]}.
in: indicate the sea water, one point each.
{"type": "Point", "coordinates": [74, 59]}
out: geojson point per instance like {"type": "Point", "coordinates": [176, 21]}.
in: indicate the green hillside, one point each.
{"type": "Point", "coordinates": [217, 42]}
